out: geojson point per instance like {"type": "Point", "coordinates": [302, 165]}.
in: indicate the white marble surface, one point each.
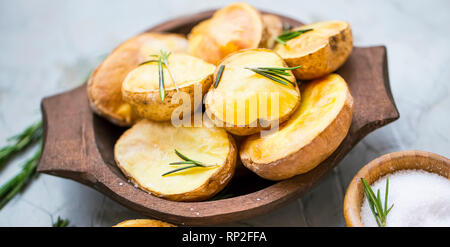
{"type": "Point", "coordinates": [49, 46]}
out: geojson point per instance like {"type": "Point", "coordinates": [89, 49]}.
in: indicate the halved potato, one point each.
{"type": "Point", "coordinates": [105, 83]}
{"type": "Point", "coordinates": [244, 102]}
{"type": "Point", "coordinates": [312, 134]}
{"type": "Point", "coordinates": [141, 87]}
{"type": "Point", "coordinates": [145, 150]}
{"type": "Point", "coordinates": [273, 27]}
{"type": "Point", "coordinates": [144, 223]}
{"type": "Point", "coordinates": [320, 51]}
{"type": "Point", "coordinates": [235, 27]}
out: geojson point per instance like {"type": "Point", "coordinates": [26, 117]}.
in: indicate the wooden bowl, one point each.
{"type": "Point", "coordinates": [384, 165]}
{"type": "Point", "coordinates": [79, 145]}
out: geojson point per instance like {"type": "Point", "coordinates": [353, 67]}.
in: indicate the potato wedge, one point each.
{"type": "Point", "coordinates": [144, 223]}
{"type": "Point", "coordinates": [320, 51]}
{"type": "Point", "coordinates": [312, 134]}
{"type": "Point", "coordinates": [273, 27]}
{"type": "Point", "coordinates": [145, 150]}
{"type": "Point", "coordinates": [244, 102]}
{"type": "Point", "coordinates": [141, 87]}
{"type": "Point", "coordinates": [105, 83]}
{"type": "Point", "coordinates": [235, 27]}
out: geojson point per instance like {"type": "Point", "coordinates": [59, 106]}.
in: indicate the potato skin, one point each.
{"type": "Point", "coordinates": [143, 223]}
{"type": "Point", "coordinates": [206, 44]}
{"type": "Point", "coordinates": [211, 187]}
{"type": "Point", "coordinates": [273, 27]}
{"type": "Point", "coordinates": [246, 130]}
{"type": "Point", "coordinates": [325, 60]}
{"type": "Point", "coordinates": [148, 105]}
{"type": "Point", "coordinates": [310, 155]}
{"type": "Point", "coordinates": [105, 83]}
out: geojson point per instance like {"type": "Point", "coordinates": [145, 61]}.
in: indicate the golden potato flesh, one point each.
{"type": "Point", "coordinates": [235, 27]}
{"type": "Point", "coordinates": [105, 83]}
{"type": "Point", "coordinates": [141, 87]}
{"type": "Point", "coordinates": [144, 152]}
{"type": "Point", "coordinates": [320, 51]}
{"type": "Point", "coordinates": [243, 99]}
{"type": "Point", "coordinates": [313, 132]}
{"type": "Point", "coordinates": [143, 223]}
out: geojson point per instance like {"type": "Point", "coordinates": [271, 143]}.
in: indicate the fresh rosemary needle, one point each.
{"type": "Point", "coordinates": [375, 204]}
{"type": "Point", "coordinates": [186, 161]}
{"type": "Point", "coordinates": [162, 59]}
{"type": "Point", "coordinates": [286, 36]}
{"type": "Point", "coordinates": [219, 76]}
{"type": "Point", "coordinates": [165, 56]}
{"type": "Point", "coordinates": [161, 80]}
{"type": "Point", "coordinates": [274, 74]}
{"type": "Point", "coordinates": [61, 222]}
{"type": "Point", "coordinates": [17, 183]}
{"type": "Point", "coordinates": [21, 141]}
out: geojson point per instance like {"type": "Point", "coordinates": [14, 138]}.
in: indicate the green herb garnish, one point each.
{"type": "Point", "coordinates": [162, 89]}
{"type": "Point", "coordinates": [17, 183]}
{"type": "Point", "coordinates": [375, 204]}
{"type": "Point", "coordinates": [21, 141]}
{"type": "Point", "coordinates": [186, 161]}
{"type": "Point", "coordinates": [165, 56]}
{"type": "Point", "coordinates": [274, 74]}
{"type": "Point", "coordinates": [61, 223]}
{"type": "Point", "coordinates": [162, 59]}
{"type": "Point", "coordinates": [219, 75]}
{"type": "Point", "coordinates": [286, 36]}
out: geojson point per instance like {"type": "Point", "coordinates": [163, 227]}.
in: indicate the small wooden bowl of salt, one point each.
{"type": "Point", "coordinates": [419, 189]}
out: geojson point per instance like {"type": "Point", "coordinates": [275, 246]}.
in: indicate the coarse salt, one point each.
{"type": "Point", "coordinates": [420, 198]}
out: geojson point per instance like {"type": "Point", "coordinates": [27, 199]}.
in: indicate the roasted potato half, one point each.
{"type": "Point", "coordinates": [104, 88]}
{"type": "Point", "coordinates": [143, 223]}
{"type": "Point", "coordinates": [312, 134]}
{"type": "Point", "coordinates": [235, 27]}
{"type": "Point", "coordinates": [141, 87]}
{"type": "Point", "coordinates": [245, 102]}
{"type": "Point", "coordinates": [320, 51]}
{"type": "Point", "coordinates": [144, 153]}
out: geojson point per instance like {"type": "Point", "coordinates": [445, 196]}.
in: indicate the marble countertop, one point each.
{"type": "Point", "coordinates": [50, 46]}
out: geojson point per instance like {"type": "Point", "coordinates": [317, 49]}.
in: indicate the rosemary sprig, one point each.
{"type": "Point", "coordinates": [375, 204]}
{"type": "Point", "coordinates": [219, 76]}
{"type": "Point", "coordinates": [186, 161]}
{"type": "Point", "coordinates": [17, 183]}
{"type": "Point", "coordinates": [286, 36]}
{"type": "Point", "coordinates": [12, 187]}
{"type": "Point", "coordinates": [274, 74]}
{"type": "Point", "coordinates": [61, 222]}
{"type": "Point", "coordinates": [161, 80]}
{"type": "Point", "coordinates": [22, 140]}
{"type": "Point", "coordinates": [162, 59]}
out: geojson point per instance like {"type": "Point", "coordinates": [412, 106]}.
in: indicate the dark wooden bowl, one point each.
{"type": "Point", "coordinates": [79, 145]}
